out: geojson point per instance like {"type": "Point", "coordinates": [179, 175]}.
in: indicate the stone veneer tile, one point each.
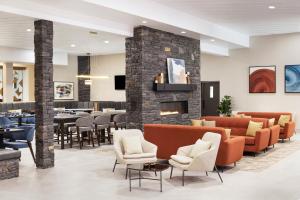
{"type": "Point", "coordinates": [145, 58]}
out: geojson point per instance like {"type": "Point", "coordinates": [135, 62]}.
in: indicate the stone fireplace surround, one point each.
{"type": "Point", "coordinates": [146, 56]}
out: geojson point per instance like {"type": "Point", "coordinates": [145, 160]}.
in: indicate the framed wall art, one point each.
{"type": "Point", "coordinates": [63, 90]}
{"type": "Point", "coordinates": [262, 79]}
{"type": "Point", "coordinates": [176, 71]}
{"type": "Point", "coordinates": [292, 78]}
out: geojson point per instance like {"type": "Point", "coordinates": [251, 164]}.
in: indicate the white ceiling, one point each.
{"type": "Point", "coordinates": [13, 33]}
{"type": "Point", "coordinates": [229, 22]}
{"type": "Point", "coordinates": [251, 17]}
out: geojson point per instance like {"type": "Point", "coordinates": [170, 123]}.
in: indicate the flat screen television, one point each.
{"type": "Point", "coordinates": [120, 82]}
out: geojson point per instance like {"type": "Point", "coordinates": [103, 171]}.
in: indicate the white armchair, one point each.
{"type": "Point", "coordinates": [204, 161]}
{"type": "Point", "coordinates": [147, 156]}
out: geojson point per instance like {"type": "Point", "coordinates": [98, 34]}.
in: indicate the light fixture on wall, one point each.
{"type": "Point", "coordinates": [88, 82]}
{"type": "Point", "coordinates": [28, 30]}
{"type": "Point", "coordinates": [92, 77]}
{"type": "Point", "coordinates": [271, 7]}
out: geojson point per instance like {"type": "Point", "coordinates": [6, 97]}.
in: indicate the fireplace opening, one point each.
{"type": "Point", "coordinates": [173, 108]}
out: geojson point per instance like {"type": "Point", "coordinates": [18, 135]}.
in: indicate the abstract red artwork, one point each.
{"type": "Point", "coordinates": [262, 79]}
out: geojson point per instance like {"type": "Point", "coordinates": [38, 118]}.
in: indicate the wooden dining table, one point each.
{"type": "Point", "coordinates": [61, 121]}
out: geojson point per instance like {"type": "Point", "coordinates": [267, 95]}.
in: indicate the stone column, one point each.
{"type": "Point", "coordinates": [44, 94]}
{"type": "Point", "coordinates": [84, 91]}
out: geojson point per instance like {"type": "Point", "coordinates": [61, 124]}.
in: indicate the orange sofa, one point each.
{"type": "Point", "coordinates": [239, 127]}
{"type": "Point", "coordinates": [169, 138]}
{"type": "Point", "coordinates": [286, 132]}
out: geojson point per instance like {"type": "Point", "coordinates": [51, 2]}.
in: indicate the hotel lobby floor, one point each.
{"type": "Point", "coordinates": [86, 174]}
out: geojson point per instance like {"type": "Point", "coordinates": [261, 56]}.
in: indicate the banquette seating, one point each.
{"type": "Point", "coordinates": [239, 128]}
{"type": "Point", "coordinates": [286, 132]}
{"type": "Point", "coordinates": [169, 138]}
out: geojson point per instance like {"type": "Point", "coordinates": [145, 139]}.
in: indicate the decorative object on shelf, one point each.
{"type": "Point", "coordinates": [176, 71]}
{"type": "Point", "coordinates": [188, 78]}
{"type": "Point", "coordinates": [262, 79]}
{"type": "Point", "coordinates": [159, 79]}
{"type": "Point", "coordinates": [63, 90]}
{"type": "Point", "coordinates": [292, 79]}
{"type": "Point", "coordinates": [224, 108]}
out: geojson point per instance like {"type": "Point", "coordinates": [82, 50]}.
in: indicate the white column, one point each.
{"type": "Point", "coordinates": [8, 78]}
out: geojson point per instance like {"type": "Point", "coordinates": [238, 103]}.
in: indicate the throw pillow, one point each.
{"type": "Point", "coordinates": [271, 122]}
{"type": "Point", "coordinates": [239, 115]}
{"type": "Point", "coordinates": [199, 147]}
{"type": "Point", "coordinates": [283, 120]}
{"type": "Point", "coordinates": [228, 132]}
{"type": "Point", "coordinates": [132, 145]}
{"type": "Point", "coordinates": [253, 127]}
{"type": "Point", "coordinates": [197, 122]}
{"type": "Point", "coordinates": [209, 123]}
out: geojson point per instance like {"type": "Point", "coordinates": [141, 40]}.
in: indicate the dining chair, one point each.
{"type": "Point", "coordinates": [84, 128]}
{"type": "Point", "coordinates": [22, 139]}
{"type": "Point", "coordinates": [102, 123]}
{"type": "Point", "coordinates": [119, 121]}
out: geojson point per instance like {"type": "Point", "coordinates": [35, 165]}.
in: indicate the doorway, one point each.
{"type": "Point", "coordinates": [210, 94]}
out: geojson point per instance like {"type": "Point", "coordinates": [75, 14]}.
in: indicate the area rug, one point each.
{"type": "Point", "coordinates": [263, 161]}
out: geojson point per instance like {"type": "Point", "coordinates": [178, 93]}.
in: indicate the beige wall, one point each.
{"type": "Point", "coordinates": [108, 65]}
{"type": "Point", "coordinates": [232, 72]}
{"type": "Point", "coordinates": [68, 73]}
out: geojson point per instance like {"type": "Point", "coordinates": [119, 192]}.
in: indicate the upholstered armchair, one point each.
{"type": "Point", "coordinates": [147, 156]}
{"type": "Point", "coordinates": [204, 161]}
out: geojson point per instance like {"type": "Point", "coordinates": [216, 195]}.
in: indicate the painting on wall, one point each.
{"type": "Point", "coordinates": [176, 71]}
{"type": "Point", "coordinates": [18, 84]}
{"type": "Point", "coordinates": [1, 84]}
{"type": "Point", "coordinates": [63, 90]}
{"type": "Point", "coordinates": [262, 79]}
{"type": "Point", "coordinates": [292, 78]}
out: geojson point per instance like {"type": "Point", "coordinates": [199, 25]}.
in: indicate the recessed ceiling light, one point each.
{"type": "Point", "coordinates": [212, 40]}
{"type": "Point", "coordinates": [73, 45]}
{"type": "Point", "coordinates": [106, 41]}
{"type": "Point", "coordinates": [183, 32]}
{"type": "Point", "coordinates": [271, 7]}
{"type": "Point", "coordinates": [144, 22]}
{"type": "Point", "coordinates": [28, 30]}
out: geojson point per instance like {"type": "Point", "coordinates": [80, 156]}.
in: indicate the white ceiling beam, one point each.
{"type": "Point", "coordinates": [160, 13]}
{"type": "Point", "coordinates": [213, 49]}
{"type": "Point", "coordinates": [62, 15]}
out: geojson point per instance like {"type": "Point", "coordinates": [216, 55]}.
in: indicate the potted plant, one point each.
{"type": "Point", "coordinates": [224, 108]}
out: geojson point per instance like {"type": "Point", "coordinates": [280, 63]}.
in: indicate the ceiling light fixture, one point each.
{"type": "Point", "coordinates": [271, 7]}
{"type": "Point", "coordinates": [92, 77]}
{"type": "Point", "coordinates": [144, 22]}
{"type": "Point", "coordinates": [106, 41]}
{"type": "Point", "coordinates": [28, 30]}
{"type": "Point", "coordinates": [183, 32]}
{"type": "Point", "coordinates": [212, 40]}
{"type": "Point", "coordinates": [73, 45]}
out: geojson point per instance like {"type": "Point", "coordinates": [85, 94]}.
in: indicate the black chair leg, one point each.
{"type": "Point", "coordinates": [206, 173]}
{"type": "Point", "coordinates": [31, 151]}
{"type": "Point", "coordinates": [171, 172]}
{"type": "Point", "coordinates": [126, 173]}
{"type": "Point", "coordinates": [92, 138]}
{"type": "Point", "coordinates": [182, 177]}
{"type": "Point", "coordinates": [116, 162]}
{"type": "Point", "coordinates": [218, 173]}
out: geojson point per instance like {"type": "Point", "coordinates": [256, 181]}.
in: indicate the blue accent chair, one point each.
{"type": "Point", "coordinates": [6, 123]}
{"type": "Point", "coordinates": [23, 139]}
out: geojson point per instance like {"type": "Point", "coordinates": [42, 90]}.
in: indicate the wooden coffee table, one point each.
{"type": "Point", "coordinates": [151, 167]}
